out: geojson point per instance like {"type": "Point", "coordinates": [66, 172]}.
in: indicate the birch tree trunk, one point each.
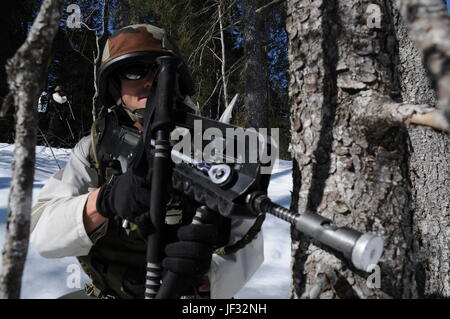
{"type": "Point", "coordinates": [26, 72]}
{"type": "Point", "coordinates": [355, 160]}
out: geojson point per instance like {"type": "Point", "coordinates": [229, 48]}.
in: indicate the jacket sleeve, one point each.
{"type": "Point", "coordinates": [229, 273]}
{"type": "Point", "coordinates": [57, 228]}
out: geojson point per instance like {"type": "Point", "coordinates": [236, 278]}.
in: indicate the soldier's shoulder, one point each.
{"type": "Point", "coordinates": [82, 148]}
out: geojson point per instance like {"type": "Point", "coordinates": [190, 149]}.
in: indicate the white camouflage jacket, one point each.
{"type": "Point", "coordinates": [57, 228]}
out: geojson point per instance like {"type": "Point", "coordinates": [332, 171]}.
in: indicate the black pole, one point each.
{"type": "Point", "coordinates": [160, 128]}
{"type": "Point", "coordinates": [49, 146]}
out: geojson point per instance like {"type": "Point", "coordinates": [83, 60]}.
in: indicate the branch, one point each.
{"type": "Point", "coordinates": [434, 119]}
{"type": "Point", "coordinates": [209, 34]}
{"type": "Point", "coordinates": [89, 29]}
{"type": "Point", "coordinates": [75, 49]}
{"type": "Point", "coordinates": [6, 104]}
{"type": "Point", "coordinates": [259, 10]}
{"type": "Point", "coordinates": [323, 281]}
{"type": "Point", "coordinates": [214, 53]}
{"type": "Point", "coordinates": [223, 60]}
{"type": "Point", "coordinates": [214, 90]}
{"type": "Point", "coordinates": [428, 25]}
{"type": "Point", "coordinates": [26, 72]}
{"type": "Point", "coordinates": [383, 109]}
{"type": "Point", "coordinates": [419, 114]}
{"type": "Point", "coordinates": [97, 56]}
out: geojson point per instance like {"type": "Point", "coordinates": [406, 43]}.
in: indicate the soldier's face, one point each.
{"type": "Point", "coordinates": [135, 92]}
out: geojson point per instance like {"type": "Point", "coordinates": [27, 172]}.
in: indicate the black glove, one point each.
{"type": "Point", "coordinates": [187, 260]}
{"type": "Point", "coordinates": [127, 195]}
{"type": "Point", "coordinates": [191, 255]}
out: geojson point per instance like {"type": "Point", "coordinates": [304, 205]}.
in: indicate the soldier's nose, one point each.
{"type": "Point", "coordinates": [148, 83]}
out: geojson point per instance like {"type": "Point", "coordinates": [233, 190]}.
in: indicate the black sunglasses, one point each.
{"type": "Point", "coordinates": [135, 72]}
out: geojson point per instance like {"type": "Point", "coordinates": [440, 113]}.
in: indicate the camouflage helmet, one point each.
{"type": "Point", "coordinates": [137, 43]}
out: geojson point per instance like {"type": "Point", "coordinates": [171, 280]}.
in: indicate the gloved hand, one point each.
{"type": "Point", "coordinates": [191, 255]}
{"type": "Point", "coordinates": [127, 195]}
{"type": "Point", "coordinates": [189, 258]}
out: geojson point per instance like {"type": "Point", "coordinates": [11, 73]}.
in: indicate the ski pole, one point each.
{"type": "Point", "coordinates": [48, 144]}
{"type": "Point", "coordinates": [70, 129]}
{"type": "Point", "coordinates": [70, 108]}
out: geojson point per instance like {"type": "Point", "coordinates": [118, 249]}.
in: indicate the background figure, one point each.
{"type": "Point", "coordinates": [42, 113]}
{"type": "Point", "coordinates": [60, 132]}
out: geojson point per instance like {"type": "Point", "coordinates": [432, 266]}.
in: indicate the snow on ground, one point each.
{"type": "Point", "coordinates": [50, 278]}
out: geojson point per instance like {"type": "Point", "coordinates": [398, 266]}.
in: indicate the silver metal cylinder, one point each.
{"type": "Point", "coordinates": [324, 231]}
{"type": "Point", "coordinates": [367, 251]}
{"type": "Point", "coordinates": [364, 250]}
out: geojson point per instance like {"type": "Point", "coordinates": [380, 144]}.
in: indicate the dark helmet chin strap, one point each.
{"type": "Point", "coordinates": [136, 115]}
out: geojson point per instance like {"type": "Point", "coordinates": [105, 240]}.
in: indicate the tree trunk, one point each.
{"type": "Point", "coordinates": [256, 73]}
{"type": "Point", "coordinates": [26, 73]}
{"type": "Point", "coordinates": [353, 152]}
{"type": "Point", "coordinates": [123, 8]}
{"type": "Point", "coordinates": [428, 172]}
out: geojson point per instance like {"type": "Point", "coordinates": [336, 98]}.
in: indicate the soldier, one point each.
{"type": "Point", "coordinates": [78, 214]}
{"type": "Point", "coordinates": [42, 112]}
{"type": "Point", "coordinates": [59, 131]}
{"type": "Point", "coordinates": [43, 102]}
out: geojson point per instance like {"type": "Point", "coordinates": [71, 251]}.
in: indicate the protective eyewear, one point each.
{"type": "Point", "coordinates": [136, 72]}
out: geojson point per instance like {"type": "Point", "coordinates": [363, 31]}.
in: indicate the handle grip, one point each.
{"type": "Point", "coordinates": [173, 283]}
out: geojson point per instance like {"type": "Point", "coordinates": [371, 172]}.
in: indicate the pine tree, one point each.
{"type": "Point", "coordinates": [354, 75]}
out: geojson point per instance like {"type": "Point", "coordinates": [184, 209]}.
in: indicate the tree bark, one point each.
{"type": "Point", "coordinates": [428, 171]}
{"type": "Point", "coordinates": [26, 73]}
{"type": "Point", "coordinates": [256, 73]}
{"type": "Point", "coordinates": [352, 152]}
{"type": "Point", "coordinates": [428, 24]}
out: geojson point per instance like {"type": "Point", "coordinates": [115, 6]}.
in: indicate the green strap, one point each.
{"type": "Point", "coordinates": [96, 130]}
{"type": "Point", "coordinates": [248, 237]}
